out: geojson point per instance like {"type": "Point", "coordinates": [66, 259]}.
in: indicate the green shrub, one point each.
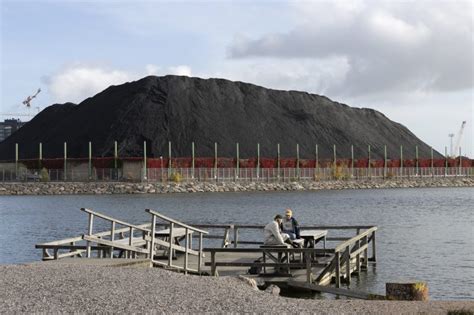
{"type": "Point", "coordinates": [44, 175]}
{"type": "Point", "coordinates": [176, 177]}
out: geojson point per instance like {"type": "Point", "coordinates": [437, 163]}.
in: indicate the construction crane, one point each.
{"type": "Point", "coordinates": [458, 139]}
{"type": "Point", "coordinates": [28, 100]}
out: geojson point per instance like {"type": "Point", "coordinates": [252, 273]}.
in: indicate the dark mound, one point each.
{"type": "Point", "coordinates": [183, 110]}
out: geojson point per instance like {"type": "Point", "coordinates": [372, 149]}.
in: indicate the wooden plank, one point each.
{"type": "Point", "coordinates": [105, 217]}
{"type": "Point", "coordinates": [163, 217]}
{"type": "Point", "coordinates": [332, 290]}
{"type": "Point", "coordinates": [177, 232]}
{"type": "Point", "coordinates": [175, 247]}
{"type": "Point", "coordinates": [264, 264]}
{"type": "Point", "coordinates": [165, 265]}
{"type": "Point", "coordinates": [337, 262]}
{"type": "Point", "coordinates": [357, 252]}
{"type": "Point", "coordinates": [71, 247]}
{"type": "Point", "coordinates": [115, 244]}
{"type": "Point", "coordinates": [91, 221]}
{"type": "Point", "coordinates": [271, 249]}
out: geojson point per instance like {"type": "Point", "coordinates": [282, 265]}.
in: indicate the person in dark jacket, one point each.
{"type": "Point", "coordinates": [290, 226]}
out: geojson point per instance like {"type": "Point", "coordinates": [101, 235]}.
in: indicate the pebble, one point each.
{"type": "Point", "coordinates": [59, 287]}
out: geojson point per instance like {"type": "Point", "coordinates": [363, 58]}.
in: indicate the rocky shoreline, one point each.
{"type": "Point", "coordinates": [99, 188]}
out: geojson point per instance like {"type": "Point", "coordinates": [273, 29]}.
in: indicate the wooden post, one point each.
{"type": "Point", "coordinates": [297, 161]}
{"type": "Point", "coordinates": [213, 264]}
{"type": "Point", "coordinates": [416, 154]}
{"type": "Point", "coordinates": [352, 160]}
{"type": "Point", "coordinates": [385, 161]}
{"type": "Point", "coordinates": [278, 161]}
{"type": "Point", "coordinates": [152, 237]}
{"type": "Point", "coordinates": [130, 242]}
{"type": "Point", "coordinates": [200, 253]}
{"type": "Point", "coordinates": [401, 161]}
{"type": "Point", "coordinates": [368, 170]}
{"type": "Point", "coordinates": [258, 161]}
{"type": "Point", "coordinates": [90, 160]}
{"type": "Point", "coordinates": [170, 256]}
{"type": "Point", "coordinates": [16, 161]}
{"type": "Point", "coordinates": [365, 240]}
{"type": "Point", "coordinates": [348, 265]}
{"type": "Point", "coordinates": [338, 269]}
{"type": "Point", "coordinates": [65, 161]}
{"type": "Point", "coordinates": [115, 154]}
{"type": "Point", "coordinates": [89, 231]}
{"type": "Point", "coordinates": [192, 162]}
{"type": "Point", "coordinates": [309, 273]}
{"type": "Point", "coordinates": [237, 163]}
{"type": "Point", "coordinates": [236, 236]}
{"type": "Point", "coordinates": [358, 259]}
{"type": "Point", "coordinates": [334, 152]}
{"type": "Point", "coordinates": [169, 159]}
{"type": "Point", "coordinates": [112, 237]}
{"type": "Point", "coordinates": [186, 250]}
{"type": "Point", "coordinates": [374, 250]}
{"type": "Point", "coordinates": [215, 161]}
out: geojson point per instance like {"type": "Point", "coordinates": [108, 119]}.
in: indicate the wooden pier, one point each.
{"type": "Point", "coordinates": [168, 243]}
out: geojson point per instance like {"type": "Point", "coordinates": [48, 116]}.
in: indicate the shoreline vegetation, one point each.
{"type": "Point", "coordinates": [99, 188]}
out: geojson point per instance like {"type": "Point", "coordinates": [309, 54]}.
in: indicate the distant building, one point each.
{"type": "Point", "coordinates": [8, 127]}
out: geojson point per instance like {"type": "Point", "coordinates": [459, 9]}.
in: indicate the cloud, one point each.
{"type": "Point", "coordinates": [77, 82]}
{"type": "Point", "coordinates": [388, 46]}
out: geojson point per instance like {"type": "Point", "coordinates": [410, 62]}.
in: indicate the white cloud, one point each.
{"type": "Point", "coordinates": [389, 46]}
{"type": "Point", "coordinates": [77, 82]}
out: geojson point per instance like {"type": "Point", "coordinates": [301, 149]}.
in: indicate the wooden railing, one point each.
{"type": "Point", "coordinates": [187, 249]}
{"type": "Point", "coordinates": [356, 247]}
{"type": "Point", "coordinates": [74, 247]}
{"type": "Point", "coordinates": [132, 246]}
{"type": "Point", "coordinates": [230, 235]}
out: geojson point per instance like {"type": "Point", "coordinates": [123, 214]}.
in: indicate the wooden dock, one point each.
{"type": "Point", "coordinates": [171, 244]}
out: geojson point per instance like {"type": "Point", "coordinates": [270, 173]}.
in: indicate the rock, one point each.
{"type": "Point", "coordinates": [273, 289]}
{"type": "Point", "coordinates": [251, 282]}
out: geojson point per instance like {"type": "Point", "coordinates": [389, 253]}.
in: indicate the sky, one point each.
{"type": "Point", "coordinates": [410, 60]}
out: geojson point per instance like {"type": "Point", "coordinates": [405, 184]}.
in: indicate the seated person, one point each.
{"type": "Point", "coordinates": [272, 234]}
{"type": "Point", "coordinates": [290, 226]}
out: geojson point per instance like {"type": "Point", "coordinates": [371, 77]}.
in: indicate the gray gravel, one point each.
{"type": "Point", "coordinates": [63, 287]}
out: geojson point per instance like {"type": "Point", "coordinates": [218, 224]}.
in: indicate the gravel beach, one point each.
{"type": "Point", "coordinates": [65, 287]}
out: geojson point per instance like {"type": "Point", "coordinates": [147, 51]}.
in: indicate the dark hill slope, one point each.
{"type": "Point", "coordinates": [183, 109]}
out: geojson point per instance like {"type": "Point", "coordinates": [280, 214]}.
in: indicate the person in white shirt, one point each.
{"type": "Point", "coordinates": [272, 234]}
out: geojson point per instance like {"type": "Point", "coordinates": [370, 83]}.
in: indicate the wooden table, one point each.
{"type": "Point", "coordinates": [312, 237]}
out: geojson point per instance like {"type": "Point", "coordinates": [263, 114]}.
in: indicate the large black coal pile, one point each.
{"type": "Point", "coordinates": [183, 110]}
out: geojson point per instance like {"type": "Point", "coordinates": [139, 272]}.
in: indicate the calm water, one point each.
{"type": "Point", "coordinates": [424, 234]}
